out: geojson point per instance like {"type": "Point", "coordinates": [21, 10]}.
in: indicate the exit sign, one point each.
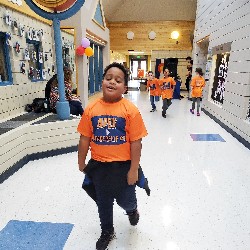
{"type": "Point", "coordinates": [138, 57]}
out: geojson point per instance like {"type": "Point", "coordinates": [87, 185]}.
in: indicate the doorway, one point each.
{"type": "Point", "coordinates": [138, 62]}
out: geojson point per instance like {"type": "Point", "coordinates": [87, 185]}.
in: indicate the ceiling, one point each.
{"type": "Point", "coordinates": [149, 10]}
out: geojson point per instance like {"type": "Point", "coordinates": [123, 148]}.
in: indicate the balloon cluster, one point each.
{"type": "Point", "coordinates": [84, 48]}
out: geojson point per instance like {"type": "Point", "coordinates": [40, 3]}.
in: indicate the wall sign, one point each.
{"type": "Point", "coordinates": [220, 77]}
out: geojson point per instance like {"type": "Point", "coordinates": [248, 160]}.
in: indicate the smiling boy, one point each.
{"type": "Point", "coordinates": [112, 127]}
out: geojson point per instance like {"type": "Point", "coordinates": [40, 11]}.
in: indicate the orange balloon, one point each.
{"type": "Point", "coordinates": [89, 51]}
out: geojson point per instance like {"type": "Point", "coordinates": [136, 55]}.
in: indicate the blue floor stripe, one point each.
{"type": "Point", "coordinates": [30, 235]}
{"type": "Point", "coordinates": [207, 137]}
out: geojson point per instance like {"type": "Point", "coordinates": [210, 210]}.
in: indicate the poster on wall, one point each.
{"type": "Point", "coordinates": [220, 77]}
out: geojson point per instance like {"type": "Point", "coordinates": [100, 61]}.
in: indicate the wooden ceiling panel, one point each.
{"type": "Point", "coordinates": [141, 41]}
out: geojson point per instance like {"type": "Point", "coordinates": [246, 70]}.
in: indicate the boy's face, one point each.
{"type": "Point", "coordinates": [113, 85]}
{"type": "Point", "coordinates": [150, 76]}
{"type": "Point", "coordinates": [166, 72]}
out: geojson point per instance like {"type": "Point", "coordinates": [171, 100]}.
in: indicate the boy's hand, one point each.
{"type": "Point", "coordinates": [82, 166]}
{"type": "Point", "coordinates": [132, 176]}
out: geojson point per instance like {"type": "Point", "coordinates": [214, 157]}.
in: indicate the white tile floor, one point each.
{"type": "Point", "coordinates": [200, 190]}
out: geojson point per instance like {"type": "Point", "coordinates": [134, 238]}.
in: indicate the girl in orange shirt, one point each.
{"type": "Point", "coordinates": [197, 85]}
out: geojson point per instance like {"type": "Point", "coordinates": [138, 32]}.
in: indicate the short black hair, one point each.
{"type": "Point", "coordinates": [188, 58]}
{"type": "Point", "coordinates": [150, 71]}
{"type": "Point", "coordinates": [119, 66]}
{"type": "Point", "coordinates": [199, 71]}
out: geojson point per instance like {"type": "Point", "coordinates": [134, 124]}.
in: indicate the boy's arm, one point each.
{"type": "Point", "coordinates": [135, 148]}
{"type": "Point", "coordinates": [83, 149]}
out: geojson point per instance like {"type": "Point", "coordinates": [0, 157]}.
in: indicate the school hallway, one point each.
{"type": "Point", "coordinates": [199, 177]}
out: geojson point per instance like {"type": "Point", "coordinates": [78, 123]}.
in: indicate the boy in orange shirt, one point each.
{"type": "Point", "coordinates": [197, 85]}
{"type": "Point", "coordinates": [113, 129]}
{"type": "Point", "coordinates": [153, 87]}
{"type": "Point", "coordinates": [167, 85]}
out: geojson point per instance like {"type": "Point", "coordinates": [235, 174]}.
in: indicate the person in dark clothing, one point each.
{"type": "Point", "coordinates": [48, 89]}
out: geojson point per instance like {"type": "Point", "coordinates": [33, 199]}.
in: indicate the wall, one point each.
{"type": "Point", "coordinates": [227, 21]}
{"type": "Point", "coordinates": [14, 97]}
{"type": "Point", "coordinates": [81, 22]}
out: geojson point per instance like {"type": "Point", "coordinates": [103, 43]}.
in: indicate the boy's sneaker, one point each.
{"type": "Point", "coordinates": [133, 217]}
{"type": "Point", "coordinates": [104, 239]}
{"type": "Point", "coordinates": [192, 111]}
{"type": "Point", "coordinates": [153, 110]}
{"type": "Point", "coordinates": [198, 114]}
{"type": "Point", "coordinates": [164, 115]}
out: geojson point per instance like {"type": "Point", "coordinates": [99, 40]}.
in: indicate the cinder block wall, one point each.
{"type": "Point", "coordinates": [227, 21]}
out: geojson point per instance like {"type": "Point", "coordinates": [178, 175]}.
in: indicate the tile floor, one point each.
{"type": "Point", "coordinates": [200, 192]}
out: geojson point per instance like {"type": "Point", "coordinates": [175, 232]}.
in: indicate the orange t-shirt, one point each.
{"type": "Point", "coordinates": [111, 127]}
{"type": "Point", "coordinates": [154, 87]}
{"type": "Point", "coordinates": [197, 84]}
{"type": "Point", "coordinates": [166, 85]}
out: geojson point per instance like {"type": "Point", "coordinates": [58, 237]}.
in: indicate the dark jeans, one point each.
{"type": "Point", "coordinates": [110, 181]}
{"type": "Point", "coordinates": [152, 101]}
{"type": "Point", "coordinates": [166, 104]}
{"type": "Point", "coordinates": [75, 107]}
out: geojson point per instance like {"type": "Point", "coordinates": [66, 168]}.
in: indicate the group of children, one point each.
{"type": "Point", "coordinates": [112, 128]}
{"type": "Point", "coordinates": [165, 88]}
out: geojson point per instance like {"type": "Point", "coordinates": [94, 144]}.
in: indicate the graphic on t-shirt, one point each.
{"type": "Point", "coordinates": [166, 85]}
{"type": "Point", "coordinates": [152, 86]}
{"type": "Point", "coordinates": [198, 83]}
{"type": "Point", "coordinates": [108, 130]}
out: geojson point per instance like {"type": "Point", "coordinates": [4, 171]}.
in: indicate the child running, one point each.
{"type": "Point", "coordinates": [197, 85]}
{"type": "Point", "coordinates": [167, 85]}
{"type": "Point", "coordinates": [113, 129]}
{"type": "Point", "coordinates": [153, 87]}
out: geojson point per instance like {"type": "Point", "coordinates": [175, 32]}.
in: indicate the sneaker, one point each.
{"type": "Point", "coordinates": [164, 116]}
{"type": "Point", "coordinates": [198, 114]}
{"type": "Point", "coordinates": [105, 238]}
{"type": "Point", "coordinates": [192, 111]}
{"type": "Point", "coordinates": [153, 110]}
{"type": "Point", "coordinates": [134, 217]}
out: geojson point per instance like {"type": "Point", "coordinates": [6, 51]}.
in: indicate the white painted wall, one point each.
{"type": "Point", "coordinates": [82, 21]}
{"type": "Point", "coordinates": [227, 21]}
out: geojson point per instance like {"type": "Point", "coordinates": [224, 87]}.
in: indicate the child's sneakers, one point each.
{"type": "Point", "coordinates": [133, 217]}
{"type": "Point", "coordinates": [192, 111]}
{"type": "Point", "coordinates": [153, 110]}
{"type": "Point", "coordinates": [198, 114]}
{"type": "Point", "coordinates": [104, 239]}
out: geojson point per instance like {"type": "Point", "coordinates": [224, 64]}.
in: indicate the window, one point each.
{"type": "Point", "coordinates": [35, 54]}
{"type": "Point", "coordinates": [5, 67]}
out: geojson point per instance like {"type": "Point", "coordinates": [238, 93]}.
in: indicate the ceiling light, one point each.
{"type": "Point", "coordinates": [175, 35]}
{"type": "Point", "coordinates": [136, 52]}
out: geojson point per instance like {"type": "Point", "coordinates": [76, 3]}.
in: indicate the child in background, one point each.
{"type": "Point", "coordinates": [197, 85]}
{"type": "Point", "coordinates": [167, 85]}
{"type": "Point", "coordinates": [152, 86]}
{"type": "Point", "coordinates": [113, 129]}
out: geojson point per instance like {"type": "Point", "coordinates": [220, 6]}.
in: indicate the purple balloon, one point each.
{"type": "Point", "coordinates": [85, 43]}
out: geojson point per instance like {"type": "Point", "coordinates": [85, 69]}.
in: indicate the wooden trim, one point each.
{"type": "Point", "coordinates": [102, 27]}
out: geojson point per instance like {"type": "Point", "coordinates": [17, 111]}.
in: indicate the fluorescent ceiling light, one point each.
{"type": "Point", "coordinates": [136, 52]}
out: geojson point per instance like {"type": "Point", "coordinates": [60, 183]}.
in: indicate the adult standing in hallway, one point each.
{"type": "Point", "coordinates": [167, 85]}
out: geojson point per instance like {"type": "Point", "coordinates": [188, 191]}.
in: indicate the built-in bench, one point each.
{"type": "Point", "coordinates": [33, 136]}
